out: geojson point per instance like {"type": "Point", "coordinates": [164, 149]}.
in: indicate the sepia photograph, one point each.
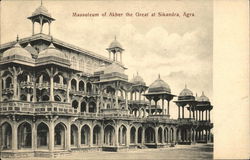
{"type": "Point", "coordinates": [96, 79]}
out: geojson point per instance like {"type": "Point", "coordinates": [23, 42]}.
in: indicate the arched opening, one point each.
{"type": "Point", "coordinates": [97, 135]}
{"type": "Point", "coordinates": [56, 79]}
{"type": "Point", "coordinates": [139, 135]}
{"type": "Point", "coordinates": [92, 107]}
{"type": "Point", "coordinates": [108, 106]}
{"type": "Point", "coordinates": [85, 135]}
{"type": "Point", "coordinates": [83, 107]}
{"type": "Point", "coordinates": [122, 135]}
{"type": "Point", "coordinates": [6, 136]}
{"type": "Point", "coordinates": [73, 85]}
{"type": "Point", "coordinates": [60, 130]}
{"type": "Point", "coordinates": [57, 98]}
{"type": "Point", "coordinates": [89, 88]}
{"type": "Point", "coordinates": [75, 104]}
{"type": "Point", "coordinates": [132, 135]}
{"type": "Point", "coordinates": [24, 135]}
{"type": "Point", "coordinates": [8, 82]}
{"type": "Point", "coordinates": [44, 78]}
{"type": "Point", "coordinates": [74, 135]}
{"type": "Point", "coordinates": [42, 136]}
{"type": "Point", "coordinates": [45, 98]}
{"type": "Point", "coordinates": [171, 135]}
{"type": "Point", "coordinates": [149, 135]}
{"type": "Point", "coordinates": [160, 135]}
{"type": "Point", "coordinates": [81, 86]}
{"type": "Point", "coordinates": [166, 135]}
{"type": "Point", "coordinates": [23, 97]}
{"type": "Point", "coordinates": [109, 135]}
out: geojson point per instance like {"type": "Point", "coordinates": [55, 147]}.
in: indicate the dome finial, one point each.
{"type": "Point", "coordinates": [115, 37]}
{"type": "Point", "coordinates": [185, 86]}
{"type": "Point", "coordinates": [202, 93]}
{"type": "Point", "coordinates": [159, 76]}
{"type": "Point", "coordinates": [137, 73]}
{"type": "Point", "coordinates": [41, 2]}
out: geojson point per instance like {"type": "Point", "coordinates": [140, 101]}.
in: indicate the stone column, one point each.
{"type": "Point", "coordinates": [33, 30]}
{"type": "Point", "coordinates": [41, 24]}
{"type": "Point", "coordinates": [150, 112]}
{"type": "Point", "coordinates": [116, 136]}
{"type": "Point", "coordinates": [168, 108]}
{"type": "Point", "coordinates": [156, 135]}
{"type": "Point", "coordinates": [121, 57]}
{"type": "Point", "coordinates": [51, 136]}
{"type": "Point", "coordinates": [182, 111]}
{"type": "Point", "coordinates": [179, 112]}
{"type": "Point", "coordinates": [15, 94]}
{"type": "Point", "coordinates": [143, 136]}
{"type": "Point", "coordinates": [91, 137]}
{"type": "Point", "coordinates": [136, 136]}
{"type": "Point", "coordinates": [68, 137]}
{"type": "Point", "coordinates": [79, 137]}
{"type": "Point", "coordinates": [126, 100]}
{"type": "Point", "coordinates": [34, 136]}
{"type": "Point", "coordinates": [67, 92]}
{"type": "Point", "coordinates": [49, 27]}
{"type": "Point", "coordinates": [128, 137]}
{"type": "Point", "coordinates": [162, 106]}
{"type": "Point", "coordinates": [14, 135]}
{"type": "Point", "coordinates": [97, 105]}
{"type": "Point", "coordinates": [51, 98]}
{"type": "Point", "coordinates": [189, 111]}
{"type": "Point", "coordinates": [202, 115]}
{"type": "Point", "coordinates": [209, 115]}
{"type": "Point", "coordinates": [87, 107]}
{"type": "Point", "coordinates": [116, 99]}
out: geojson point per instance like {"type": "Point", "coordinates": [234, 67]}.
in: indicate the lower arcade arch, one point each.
{"type": "Point", "coordinates": [73, 135]}
{"type": "Point", "coordinates": [122, 132]}
{"type": "Point", "coordinates": [132, 134]}
{"type": "Point", "coordinates": [85, 135]}
{"type": "Point", "coordinates": [149, 135]}
{"type": "Point", "coordinates": [97, 135]}
{"type": "Point", "coordinates": [42, 135]}
{"type": "Point", "coordinates": [160, 136]}
{"type": "Point", "coordinates": [109, 135]}
{"type": "Point", "coordinates": [60, 136]}
{"type": "Point", "coordinates": [24, 135]}
{"type": "Point", "coordinates": [6, 136]}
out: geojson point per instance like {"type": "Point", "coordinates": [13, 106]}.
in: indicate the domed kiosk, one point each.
{"type": "Point", "coordinates": [159, 90]}
{"type": "Point", "coordinates": [186, 99]}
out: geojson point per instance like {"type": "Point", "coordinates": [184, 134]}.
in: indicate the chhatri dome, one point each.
{"type": "Point", "coordinates": [137, 80]}
{"type": "Point", "coordinates": [186, 92]}
{"type": "Point", "coordinates": [203, 98]}
{"type": "Point", "coordinates": [32, 50]}
{"type": "Point", "coordinates": [51, 51]}
{"type": "Point", "coordinates": [159, 86]}
{"type": "Point", "coordinates": [17, 50]}
{"type": "Point", "coordinates": [41, 10]}
{"type": "Point", "coordinates": [115, 44]}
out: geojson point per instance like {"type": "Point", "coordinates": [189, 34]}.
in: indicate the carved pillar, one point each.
{"type": "Point", "coordinates": [33, 28]}
{"type": "Point", "coordinates": [150, 107]}
{"type": "Point", "coordinates": [182, 111]}
{"type": "Point", "coordinates": [14, 135]}
{"type": "Point", "coordinates": [156, 135]}
{"type": "Point", "coordinates": [51, 98]}
{"type": "Point", "coordinates": [51, 135]}
{"type": "Point", "coordinates": [128, 137]}
{"type": "Point", "coordinates": [49, 27]}
{"type": "Point", "coordinates": [34, 136]}
{"type": "Point", "coordinates": [116, 99]}
{"type": "Point", "coordinates": [91, 137]}
{"type": "Point", "coordinates": [67, 91]}
{"type": "Point", "coordinates": [178, 112]}
{"type": "Point", "coordinates": [68, 136]}
{"type": "Point", "coordinates": [168, 108]}
{"type": "Point", "coordinates": [126, 100]}
{"type": "Point", "coordinates": [162, 105]}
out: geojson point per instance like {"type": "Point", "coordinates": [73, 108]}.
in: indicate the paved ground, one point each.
{"type": "Point", "coordinates": [180, 152]}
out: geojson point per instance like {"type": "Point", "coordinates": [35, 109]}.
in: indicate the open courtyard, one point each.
{"type": "Point", "coordinates": [190, 152]}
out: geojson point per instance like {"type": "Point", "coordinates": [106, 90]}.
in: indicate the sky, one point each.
{"type": "Point", "coordinates": [178, 48]}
